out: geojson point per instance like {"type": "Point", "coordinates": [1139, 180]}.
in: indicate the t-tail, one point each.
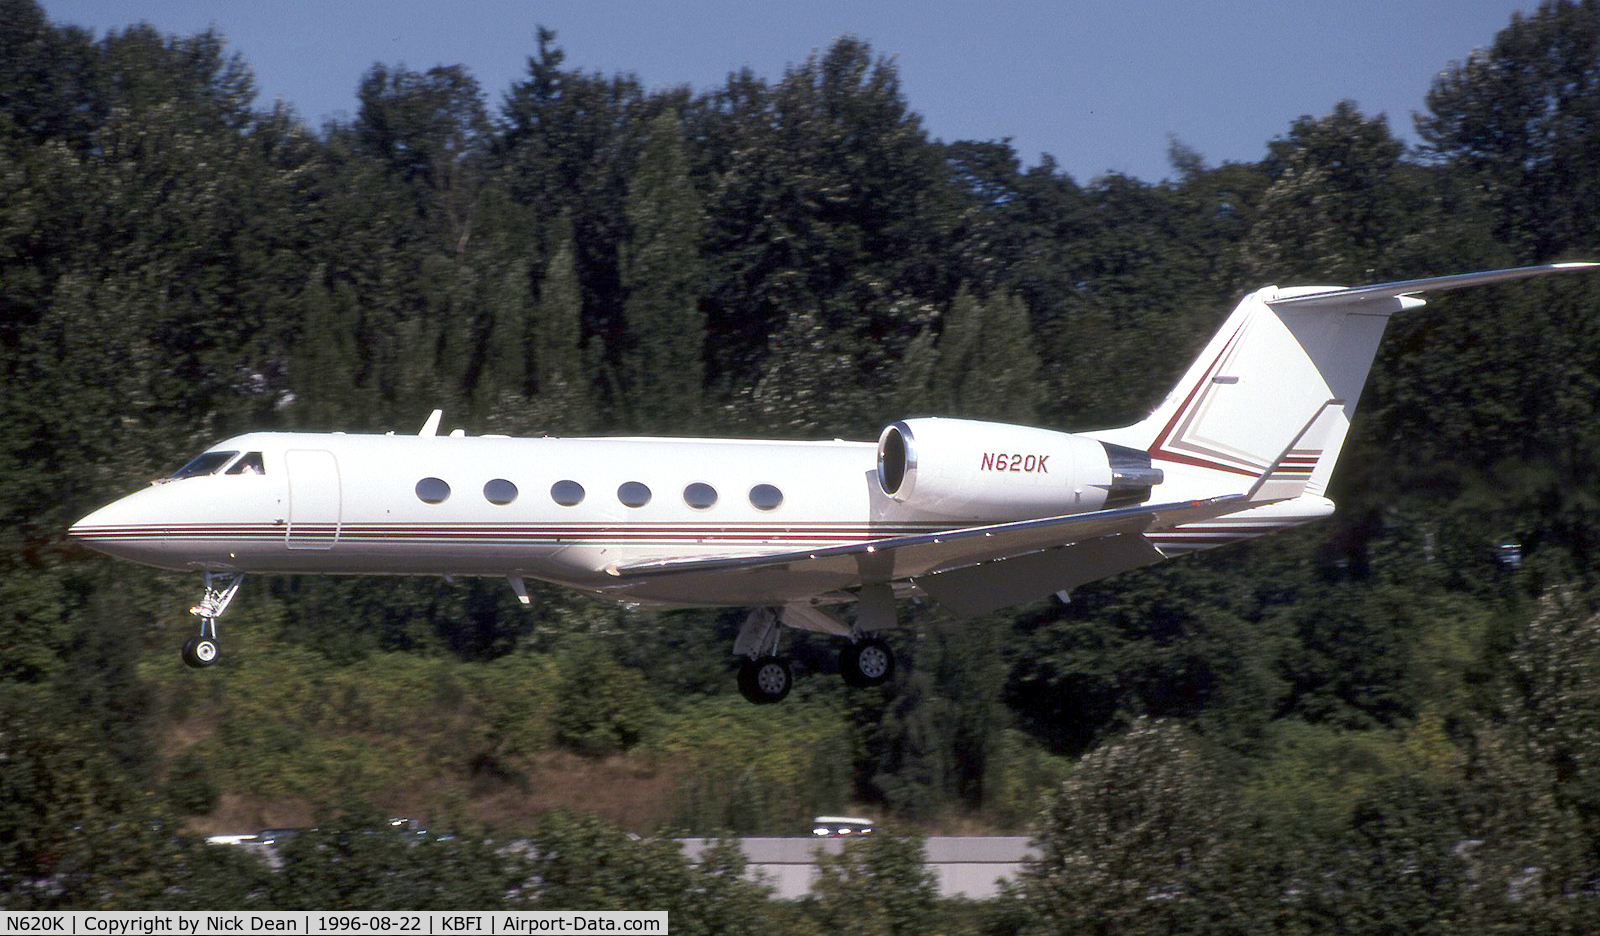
{"type": "Point", "coordinates": [1272, 395]}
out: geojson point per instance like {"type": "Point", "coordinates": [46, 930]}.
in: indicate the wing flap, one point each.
{"type": "Point", "coordinates": [902, 557]}
{"type": "Point", "coordinates": [991, 586]}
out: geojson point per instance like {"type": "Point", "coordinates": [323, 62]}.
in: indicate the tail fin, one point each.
{"type": "Point", "coordinates": [1285, 372]}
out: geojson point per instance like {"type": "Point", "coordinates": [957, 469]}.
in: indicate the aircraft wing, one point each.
{"type": "Point", "coordinates": [801, 574]}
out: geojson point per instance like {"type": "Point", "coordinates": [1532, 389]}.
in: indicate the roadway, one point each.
{"type": "Point", "coordinates": [965, 866]}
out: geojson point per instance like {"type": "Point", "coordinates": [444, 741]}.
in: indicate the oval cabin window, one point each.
{"type": "Point", "coordinates": [700, 495]}
{"type": "Point", "coordinates": [432, 491]}
{"type": "Point", "coordinates": [567, 493]}
{"type": "Point", "coordinates": [765, 497]}
{"type": "Point", "coordinates": [633, 494]}
{"type": "Point", "coordinates": [500, 491]}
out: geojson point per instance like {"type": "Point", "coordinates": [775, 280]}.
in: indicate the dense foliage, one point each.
{"type": "Point", "coordinates": [1388, 722]}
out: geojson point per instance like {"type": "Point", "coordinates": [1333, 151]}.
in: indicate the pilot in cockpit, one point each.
{"type": "Point", "coordinates": [209, 463]}
{"type": "Point", "coordinates": [250, 464]}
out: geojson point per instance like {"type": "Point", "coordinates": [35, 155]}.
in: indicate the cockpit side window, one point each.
{"type": "Point", "coordinates": [203, 464]}
{"type": "Point", "coordinates": [250, 464]}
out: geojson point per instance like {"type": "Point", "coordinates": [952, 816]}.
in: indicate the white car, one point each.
{"type": "Point", "coordinates": [840, 826]}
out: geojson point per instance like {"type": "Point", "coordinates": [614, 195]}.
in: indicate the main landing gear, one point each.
{"type": "Point", "coordinates": [202, 650]}
{"type": "Point", "coordinates": [866, 663]}
{"type": "Point", "coordinates": [766, 677]}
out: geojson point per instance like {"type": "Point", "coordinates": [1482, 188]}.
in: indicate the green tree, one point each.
{"type": "Point", "coordinates": [932, 737]}
{"type": "Point", "coordinates": [1119, 271]}
{"type": "Point", "coordinates": [1526, 854]}
{"type": "Point", "coordinates": [601, 706]}
{"type": "Point", "coordinates": [359, 861]}
{"type": "Point", "coordinates": [568, 146]}
{"type": "Point", "coordinates": [803, 391]}
{"type": "Point", "coordinates": [829, 201]}
{"type": "Point", "coordinates": [48, 80]}
{"type": "Point", "coordinates": [322, 370]}
{"type": "Point", "coordinates": [583, 863]}
{"type": "Point", "coordinates": [876, 885]}
{"type": "Point", "coordinates": [1350, 657]}
{"type": "Point", "coordinates": [1128, 843]}
{"type": "Point", "coordinates": [988, 368]}
{"type": "Point", "coordinates": [1339, 207]}
{"type": "Point", "coordinates": [564, 139]}
{"type": "Point", "coordinates": [1521, 118]}
{"type": "Point", "coordinates": [1554, 700]}
{"type": "Point", "coordinates": [1397, 868]}
{"type": "Point", "coordinates": [562, 362]}
{"type": "Point", "coordinates": [431, 129]}
{"type": "Point", "coordinates": [664, 367]}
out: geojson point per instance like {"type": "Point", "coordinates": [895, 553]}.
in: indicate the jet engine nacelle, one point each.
{"type": "Point", "coordinates": [993, 471]}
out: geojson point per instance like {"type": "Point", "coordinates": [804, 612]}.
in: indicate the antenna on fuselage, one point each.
{"type": "Point", "coordinates": [431, 427]}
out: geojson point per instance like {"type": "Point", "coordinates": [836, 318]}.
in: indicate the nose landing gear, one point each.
{"type": "Point", "coordinates": [201, 651]}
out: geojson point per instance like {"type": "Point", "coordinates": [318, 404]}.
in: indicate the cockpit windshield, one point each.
{"type": "Point", "coordinates": [203, 464]}
{"type": "Point", "coordinates": [250, 464]}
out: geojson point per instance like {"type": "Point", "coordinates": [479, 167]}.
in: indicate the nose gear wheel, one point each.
{"type": "Point", "coordinates": [200, 652]}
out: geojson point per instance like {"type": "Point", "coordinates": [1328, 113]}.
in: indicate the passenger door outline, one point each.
{"type": "Point", "coordinates": [315, 500]}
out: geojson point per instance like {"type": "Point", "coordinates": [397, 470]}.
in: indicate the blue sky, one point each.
{"type": "Point", "coordinates": [1099, 86]}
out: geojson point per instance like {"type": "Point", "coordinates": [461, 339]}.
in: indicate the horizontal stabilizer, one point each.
{"type": "Point", "coordinates": [1359, 294]}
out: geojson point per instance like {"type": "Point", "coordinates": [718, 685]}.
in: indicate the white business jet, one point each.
{"type": "Point", "coordinates": [976, 515]}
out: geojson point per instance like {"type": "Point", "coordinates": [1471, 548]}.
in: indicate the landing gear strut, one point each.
{"type": "Point", "coordinates": [764, 676]}
{"type": "Point", "coordinates": [202, 650]}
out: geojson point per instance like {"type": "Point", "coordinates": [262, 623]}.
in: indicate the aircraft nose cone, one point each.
{"type": "Point", "coordinates": [167, 526]}
{"type": "Point", "coordinates": [124, 529]}
{"type": "Point", "coordinates": [91, 526]}
{"type": "Point", "coordinates": [101, 530]}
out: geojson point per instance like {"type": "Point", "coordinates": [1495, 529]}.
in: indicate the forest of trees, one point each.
{"type": "Point", "coordinates": [1386, 722]}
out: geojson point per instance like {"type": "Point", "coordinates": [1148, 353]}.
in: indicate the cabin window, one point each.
{"type": "Point", "coordinates": [250, 464]}
{"type": "Point", "coordinates": [633, 494]}
{"type": "Point", "coordinates": [567, 493]}
{"type": "Point", "coordinates": [700, 495]}
{"type": "Point", "coordinates": [765, 497]}
{"type": "Point", "coordinates": [203, 464]}
{"type": "Point", "coordinates": [500, 491]}
{"type": "Point", "coordinates": [432, 491]}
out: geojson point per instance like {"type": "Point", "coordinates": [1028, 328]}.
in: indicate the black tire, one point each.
{"type": "Point", "coordinates": [747, 680]}
{"type": "Point", "coordinates": [200, 652]}
{"type": "Point", "coordinates": [866, 663]}
{"type": "Point", "coordinates": [765, 680]}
